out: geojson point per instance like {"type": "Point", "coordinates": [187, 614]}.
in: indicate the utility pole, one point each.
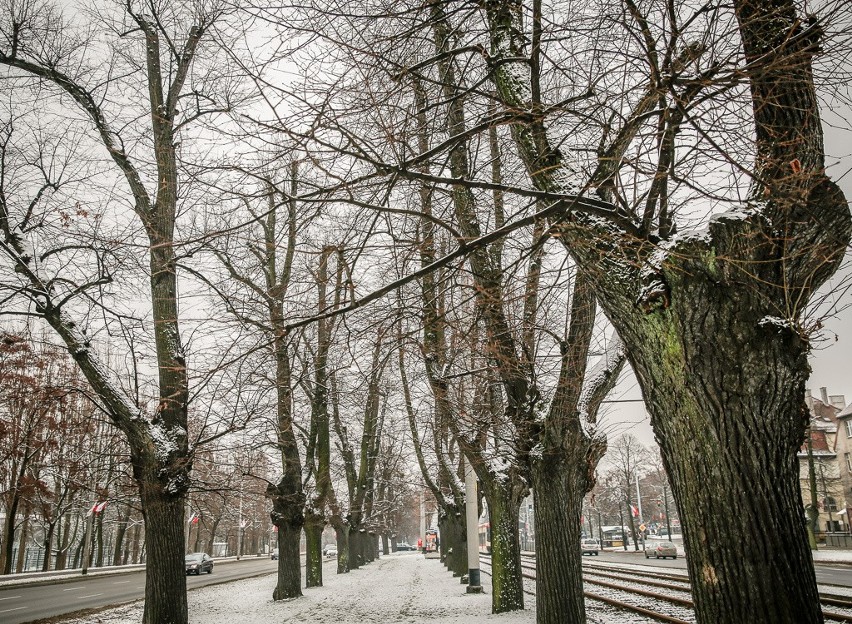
{"type": "Point", "coordinates": [474, 585]}
{"type": "Point", "coordinates": [639, 500]}
{"type": "Point", "coordinates": [422, 522]}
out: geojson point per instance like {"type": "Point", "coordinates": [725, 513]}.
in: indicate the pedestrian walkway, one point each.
{"type": "Point", "coordinates": [399, 587]}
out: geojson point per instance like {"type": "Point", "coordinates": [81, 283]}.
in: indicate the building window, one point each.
{"type": "Point", "coordinates": [849, 428]}
{"type": "Point", "coordinates": [830, 504]}
{"type": "Point", "coordinates": [848, 457]}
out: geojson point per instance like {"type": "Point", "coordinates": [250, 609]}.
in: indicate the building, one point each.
{"type": "Point", "coordinates": [830, 446]}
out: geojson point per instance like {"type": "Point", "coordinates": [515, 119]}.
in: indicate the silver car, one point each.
{"type": "Point", "coordinates": [661, 550]}
{"type": "Point", "coordinates": [590, 547]}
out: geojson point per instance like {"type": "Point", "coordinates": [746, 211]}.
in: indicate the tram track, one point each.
{"type": "Point", "coordinates": [623, 576]}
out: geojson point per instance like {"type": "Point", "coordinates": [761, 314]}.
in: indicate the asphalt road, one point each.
{"type": "Point", "coordinates": [28, 603]}
{"type": "Point", "coordinates": [826, 573]}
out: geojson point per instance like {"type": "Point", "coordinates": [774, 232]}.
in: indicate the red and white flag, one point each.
{"type": "Point", "coordinates": [634, 511]}
{"type": "Point", "coordinates": [193, 518]}
{"type": "Point", "coordinates": [98, 508]}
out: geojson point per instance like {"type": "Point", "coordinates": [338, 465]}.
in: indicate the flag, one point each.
{"type": "Point", "coordinates": [99, 507]}
{"type": "Point", "coordinates": [634, 511]}
{"type": "Point", "coordinates": [193, 518]}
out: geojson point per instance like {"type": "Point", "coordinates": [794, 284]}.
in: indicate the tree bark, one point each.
{"type": "Point", "coordinates": [289, 581]}
{"type": "Point", "coordinates": [341, 532]}
{"type": "Point", "coordinates": [558, 489]}
{"type": "Point", "coordinates": [164, 543]}
{"type": "Point", "coordinates": [506, 580]}
{"type": "Point", "coordinates": [451, 522]}
{"type": "Point", "coordinates": [314, 525]}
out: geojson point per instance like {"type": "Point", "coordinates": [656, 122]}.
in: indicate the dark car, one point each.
{"type": "Point", "coordinates": [661, 550]}
{"type": "Point", "coordinates": [196, 563]}
{"type": "Point", "coordinates": [405, 546]}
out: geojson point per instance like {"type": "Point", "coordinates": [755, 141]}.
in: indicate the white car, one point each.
{"type": "Point", "coordinates": [331, 552]}
{"type": "Point", "coordinates": [590, 547]}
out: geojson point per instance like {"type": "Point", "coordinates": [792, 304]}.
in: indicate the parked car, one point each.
{"type": "Point", "coordinates": [331, 552]}
{"type": "Point", "coordinates": [405, 546]}
{"type": "Point", "coordinates": [196, 563]}
{"type": "Point", "coordinates": [590, 547]}
{"type": "Point", "coordinates": [274, 555]}
{"type": "Point", "coordinates": [661, 550]}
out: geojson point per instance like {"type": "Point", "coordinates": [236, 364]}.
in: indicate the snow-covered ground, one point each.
{"type": "Point", "coordinates": [399, 587]}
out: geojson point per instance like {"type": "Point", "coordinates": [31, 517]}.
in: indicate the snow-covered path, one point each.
{"type": "Point", "coordinates": [399, 587]}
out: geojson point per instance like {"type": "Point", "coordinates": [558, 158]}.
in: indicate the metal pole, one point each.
{"type": "Point", "coordinates": [240, 527]}
{"type": "Point", "coordinates": [639, 501]}
{"type": "Point", "coordinates": [471, 518]}
{"type": "Point", "coordinates": [422, 522]}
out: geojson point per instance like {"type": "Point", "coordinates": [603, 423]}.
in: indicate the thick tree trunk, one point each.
{"type": "Point", "coordinates": [356, 558]}
{"type": "Point", "coordinates": [506, 580]}
{"type": "Point", "coordinates": [165, 577]}
{"type": "Point", "coordinates": [289, 583]}
{"type": "Point", "coordinates": [385, 543]}
{"type": "Point", "coordinates": [313, 558]}
{"type": "Point", "coordinates": [341, 532]}
{"type": "Point", "coordinates": [729, 416]}
{"type": "Point", "coordinates": [453, 539]}
{"type": "Point", "coordinates": [558, 492]}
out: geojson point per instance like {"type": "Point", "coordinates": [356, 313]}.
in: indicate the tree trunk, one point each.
{"type": "Point", "coordinates": [120, 532]}
{"type": "Point", "coordinates": [289, 583]}
{"type": "Point", "coordinates": [341, 533]}
{"type": "Point", "coordinates": [135, 554]}
{"type": "Point", "coordinates": [48, 545]}
{"type": "Point", "coordinates": [22, 539]}
{"type": "Point", "coordinates": [165, 576]}
{"type": "Point", "coordinates": [710, 401]}
{"type": "Point", "coordinates": [506, 580]}
{"type": "Point", "coordinates": [64, 544]}
{"type": "Point", "coordinates": [385, 543]}
{"type": "Point", "coordinates": [453, 539]}
{"type": "Point", "coordinates": [313, 559]}
{"type": "Point", "coordinates": [558, 492]}
{"type": "Point", "coordinates": [9, 533]}
{"type": "Point", "coordinates": [212, 539]}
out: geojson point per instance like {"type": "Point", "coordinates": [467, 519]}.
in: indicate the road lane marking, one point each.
{"type": "Point", "coordinates": [9, 597]}
{"type": "Point", "coordinates": [90, 596]}
{"type": "Point", "coordinates": [15, 609]}
{"type": "Point", "coordinates": [73, 588]}
{"type": "Point", "coordinates": [120, 582]}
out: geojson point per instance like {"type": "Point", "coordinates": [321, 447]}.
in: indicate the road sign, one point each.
{"type": "Point", "coordinates": [642, 527]}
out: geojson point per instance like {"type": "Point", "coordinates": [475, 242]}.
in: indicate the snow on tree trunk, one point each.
{"type": "Point", "coordinates": [506, 580]}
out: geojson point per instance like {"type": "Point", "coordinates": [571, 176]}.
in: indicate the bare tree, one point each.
{"type": "Point", "coordinates": [157, 48]}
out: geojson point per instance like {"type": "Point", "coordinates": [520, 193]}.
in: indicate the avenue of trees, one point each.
{"type": "Point", "coordinates": [315, 261]}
